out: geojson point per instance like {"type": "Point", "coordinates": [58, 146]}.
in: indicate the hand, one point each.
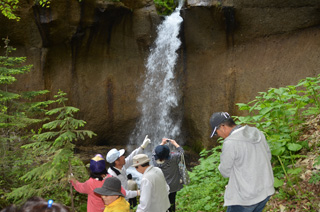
{"type": "Point", "coordinates": [174, 143]}
{"type": "Point", "coordinates": [71, 178]}
{"type": "Point", "coordinates": [146, 142]}
{"type": "Point", "coordinates": [164, 141]}
{"type": "Point", "coordinates": [138, 192]}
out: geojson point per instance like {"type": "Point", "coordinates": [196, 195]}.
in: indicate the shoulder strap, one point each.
{"type": "Point", "coordinates": [182, 159]}
{"type": "Point", "coordinates": [115, 170]}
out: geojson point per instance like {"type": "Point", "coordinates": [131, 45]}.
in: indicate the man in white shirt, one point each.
{"type": "Point", "coordinates": [119, 164]}
{"type": "Point", "coordinates": [154, 188]}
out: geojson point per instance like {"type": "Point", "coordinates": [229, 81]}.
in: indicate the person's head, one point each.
{"type": "Point", "coordinates": [37, 204]}
{"type": "Point", "coordinates": [221, 124]}
{"type": "Point", "coordinates": [116, 157]}
{"type": "Point", "coordinates": [110, 190]}
{"type": "Point", "coordinates": [162, 152]}
{"type": "Point", "coordinates": [98, 167]}
{"type": "Point", "coordinates": [141, 162]}
{"type": "Point", "coordinates": [129, 176]}
{"type": "Point", "coordinates": [10, 208]}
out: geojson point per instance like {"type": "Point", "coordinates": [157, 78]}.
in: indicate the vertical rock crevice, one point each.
{"type": "Point", "coordinates": [230, 24]}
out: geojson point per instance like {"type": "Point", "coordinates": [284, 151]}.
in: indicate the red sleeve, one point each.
{"type": "Point", "coordinates": [81, 187]}
{"type": "Point", "coordinates": [123, 191]}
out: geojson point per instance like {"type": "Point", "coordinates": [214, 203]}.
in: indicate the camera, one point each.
{"type": "Point", "coordinates": [168, 140]}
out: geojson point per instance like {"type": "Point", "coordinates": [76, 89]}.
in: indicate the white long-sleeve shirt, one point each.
{"type": "Point", "coordinates": [154, 191]}
{"type": "Point", "coordinates": [123, 174]}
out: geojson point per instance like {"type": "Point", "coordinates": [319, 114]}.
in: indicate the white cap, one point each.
{"type": "Point", "coordinates": [114, 154]}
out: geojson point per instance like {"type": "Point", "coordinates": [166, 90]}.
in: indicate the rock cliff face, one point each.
{"type": "Point", "coordinates": [96, 51]}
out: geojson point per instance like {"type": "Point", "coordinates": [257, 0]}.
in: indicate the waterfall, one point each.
{"type": "Point", "coordinates": [159, 97]}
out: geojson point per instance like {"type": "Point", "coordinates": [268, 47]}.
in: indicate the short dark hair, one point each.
{"type": "Point", "coordinates": [10, 208]}
{"type": "Point", "coordinates": [229, 122]}
{"type": "Point", "coordinates": [129, 176]}
{"type": "Point", "coordinates": [98, 175]}
{"type": "Point", "coordinates": [37, 204]}
{"type": "Point", "coordinates": [145, 164]}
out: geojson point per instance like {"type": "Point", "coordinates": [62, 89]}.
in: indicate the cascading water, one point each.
{"type": "Point", "coordinates": [159, 96]}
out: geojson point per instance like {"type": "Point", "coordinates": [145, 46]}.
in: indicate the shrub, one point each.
{"type": "Point", "coordinates": [206, 189]}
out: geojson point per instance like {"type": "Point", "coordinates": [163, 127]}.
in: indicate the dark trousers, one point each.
{"type": "Point", "coordinates": [172, 199]}
{"type": "Point", "coordinates": [251, 208]}
{"type": "Point", "coordinates": [133, 202]}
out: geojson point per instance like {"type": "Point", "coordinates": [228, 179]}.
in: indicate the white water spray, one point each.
{"type": "Point", "coordinates": [159, 97]}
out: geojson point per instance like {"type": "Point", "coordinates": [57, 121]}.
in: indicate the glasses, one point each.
{"type": "Point", "coordinates": [215, 133]}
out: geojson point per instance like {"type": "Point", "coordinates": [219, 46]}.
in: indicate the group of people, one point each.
{"type": "Point", "coordinates": [111, 190]}
{"type": "Point", "coordinates": [245, 159]}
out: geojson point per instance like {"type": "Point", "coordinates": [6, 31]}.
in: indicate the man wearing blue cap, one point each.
{"type": "Point", "coordinates": [245, 160]}
{"type": "Point", "coordinates": [119, 164]}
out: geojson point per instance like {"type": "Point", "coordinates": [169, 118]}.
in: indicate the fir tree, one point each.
{"type": "Point", "coordinates": [53, 154]}
{"type": "Point", "coordinates": [18, 111]}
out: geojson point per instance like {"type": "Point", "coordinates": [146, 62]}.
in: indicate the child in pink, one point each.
{"type": "Point", "coordinates": [97, 176]}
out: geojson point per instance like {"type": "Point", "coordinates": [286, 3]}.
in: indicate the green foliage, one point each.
{"type": "Point", "coordinates": [16, 109]}
{"type": "Point", "coordinates": [315, 178]}
{"type": "Point", "coordinates": [165, 7]}
{"type": "Point", "coordinates": [206, 189]}
{"type": "Point", "coordinates": [53, 156]}
{"type": "Point", "coordinates": [40, 168]}
{"type": "Point", "coordinates": [8, 7]}
{"type": "Point", "coordinates": [279, 113]}
{"type": "Point", "coordinates": [18, 112]}
{"type": "Point", "coordinates": [43, 3]}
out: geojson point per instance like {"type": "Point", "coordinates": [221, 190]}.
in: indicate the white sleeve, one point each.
{"type": "Point", "coordinates": [129, 159]}
{"type": "Point", "coordinates": [146, 192]}
{"type": "Point", "coordinates": [131, 194]}
{"type": "Point", "coordinates": [226, 159]}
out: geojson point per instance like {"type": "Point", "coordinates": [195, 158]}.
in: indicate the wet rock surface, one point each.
{"type": "Point", "coordinates": [96, 51]}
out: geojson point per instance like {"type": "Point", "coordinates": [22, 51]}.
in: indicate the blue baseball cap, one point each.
{"type": "Point", "coordinates": [162, 152]}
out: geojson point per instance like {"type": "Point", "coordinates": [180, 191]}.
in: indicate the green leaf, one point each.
{"type": "Point", "coordinates": [278, 183]}
{"type": "Point", "coordinates": [295, 171]}
{"type": "Point", "coordinates": [278, 151]}
{"type": "Point", "coordinates": [243, 106]}
{"type": "Point", "coordinates": [265, 110]}
{"type": "Point", "coordinates": [294, 147]}
{"type": "Point", "coordinates": [54, 111]}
